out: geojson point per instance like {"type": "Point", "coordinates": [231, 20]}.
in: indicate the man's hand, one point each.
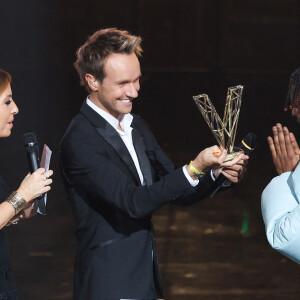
{"type": "Point", "coordinates": [284, 149]}
{"type": "Point", "coordinates": [213, 158]}
{"type": "Point", "coordinates": [209, 158]}
{"type": "Point", "coordinates": [235, 169]}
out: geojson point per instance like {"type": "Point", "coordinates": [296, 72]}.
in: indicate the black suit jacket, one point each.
{"type": "Point", "coordinates": [116, 255]}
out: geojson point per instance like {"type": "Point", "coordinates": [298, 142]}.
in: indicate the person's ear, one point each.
{"type": "Point", "coordinates": [92, 82]}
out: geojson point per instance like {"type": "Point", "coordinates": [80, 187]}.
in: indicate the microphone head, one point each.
{"type": "Point", "coordinates": [29, 138]}
{"type": "Point", "coordinates": [248, 143]}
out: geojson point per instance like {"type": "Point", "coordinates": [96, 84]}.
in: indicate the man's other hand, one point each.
{"type": "Point", "coordinates": [235, 169]}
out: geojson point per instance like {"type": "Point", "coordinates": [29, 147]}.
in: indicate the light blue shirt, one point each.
{"type": "Point", "coordinates": [281, 213]}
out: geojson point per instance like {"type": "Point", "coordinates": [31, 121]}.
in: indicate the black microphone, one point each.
{"type": "Point", "coordinates": [32, 151]}
{"type": "Point", "coordinates": [247, 144]}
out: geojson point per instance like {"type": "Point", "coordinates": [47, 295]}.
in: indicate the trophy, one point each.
{"type": "Point", "coordinates": [223, 130]}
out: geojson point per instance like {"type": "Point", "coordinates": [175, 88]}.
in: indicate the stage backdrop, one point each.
{"type": "Point", "coordinates": [190, 47]}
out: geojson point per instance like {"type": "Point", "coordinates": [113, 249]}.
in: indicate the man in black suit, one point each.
{"type": "Point", "coordinates": [117, 175]}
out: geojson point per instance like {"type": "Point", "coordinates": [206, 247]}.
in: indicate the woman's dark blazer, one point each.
{"type": "Point", "coordinates": [7, 284]}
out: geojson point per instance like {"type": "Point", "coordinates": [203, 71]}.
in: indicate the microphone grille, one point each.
{"type": "Point", "coordinates": [250, 139]}
{"type": "Point", "coordinates": [29, 138]}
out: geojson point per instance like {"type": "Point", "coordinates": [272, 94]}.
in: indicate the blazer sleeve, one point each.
{"type": "Point", "coordinates": [91, 169]}
{"type": "Point", "coordinates": [281, 213]}
{"type": "Point", "coordinates": [162, 166]}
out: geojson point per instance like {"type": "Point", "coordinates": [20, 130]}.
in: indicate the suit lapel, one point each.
{"type": "Point", "coordinates": [139, 146]}
{"type": "Point", "coordinates": [105, 130]}
{"type": "Point", "coordinates": [113, 138]}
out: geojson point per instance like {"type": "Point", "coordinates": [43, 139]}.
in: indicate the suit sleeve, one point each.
{"type": "Point", "coordinates": [281, 214]}
{"type": "Point", "coordinates": [162, 165]}
{"type": "Point", "coordinates": [93, 173]}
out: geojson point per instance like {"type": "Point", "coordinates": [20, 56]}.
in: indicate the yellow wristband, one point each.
{"type": "Point", "coordinates": [195, 171]}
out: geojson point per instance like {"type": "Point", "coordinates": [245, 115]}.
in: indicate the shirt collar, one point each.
{"type": "Point", "coordinates": [125, 122]}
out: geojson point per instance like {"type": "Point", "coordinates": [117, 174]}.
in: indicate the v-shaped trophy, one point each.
{"type": "Point", "coordinates": [223, 130]}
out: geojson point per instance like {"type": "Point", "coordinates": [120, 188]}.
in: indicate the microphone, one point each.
{"type": "Point", "coordinates": [247, 144]}
{"type": "Point", "coordinates": [32, 151]}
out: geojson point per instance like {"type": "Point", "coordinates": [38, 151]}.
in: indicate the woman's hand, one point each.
{"type": "Point", "coordinates": [35, 184]}
{"type": "Point", "coordinates": [28, 212]}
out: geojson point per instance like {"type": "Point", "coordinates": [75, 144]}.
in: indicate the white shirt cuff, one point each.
{"type": "Point", "coordinates": [226, 183]}
{"type": "Point", "coordinates": [192, 181]}
{"type": "Point", "coordinates": [212, 175]}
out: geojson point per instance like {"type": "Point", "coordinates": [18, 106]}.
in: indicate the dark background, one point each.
{"type": "Point", "coordinates": [216, 249]}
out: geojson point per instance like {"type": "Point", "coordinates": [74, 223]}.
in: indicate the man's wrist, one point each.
{"type": "Point", "coordinates": [191, 174]}
{"type": "Point", "coordinates": [194, 171]}
{"type": "Point", "coordinates": [193, 181]}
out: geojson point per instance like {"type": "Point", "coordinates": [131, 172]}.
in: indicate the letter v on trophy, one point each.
{"type": "Point", "coordinates": [223, 130]}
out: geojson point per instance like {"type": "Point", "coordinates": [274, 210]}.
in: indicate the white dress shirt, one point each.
{"type": "Point", "coordinates": [125, 134]}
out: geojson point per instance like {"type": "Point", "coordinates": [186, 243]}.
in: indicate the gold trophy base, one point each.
{"type": "Point", "coordinates": [232, 155]}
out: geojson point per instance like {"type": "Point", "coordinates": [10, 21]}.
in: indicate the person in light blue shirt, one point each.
{"type": "Point", "coordinates": [280, 199]}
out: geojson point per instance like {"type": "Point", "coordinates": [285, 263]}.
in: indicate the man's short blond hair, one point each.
{"type": "Point", "coordinates": [91, 56]}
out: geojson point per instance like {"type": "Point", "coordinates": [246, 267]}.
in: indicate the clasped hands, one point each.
{"type": "Point", "coordinates": [213, 158]}
{"type": "Point", "coordinates": [284, 149]}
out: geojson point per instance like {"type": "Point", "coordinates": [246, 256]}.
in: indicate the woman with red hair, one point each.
{"type": "Point", "coordinates": [17, 204]}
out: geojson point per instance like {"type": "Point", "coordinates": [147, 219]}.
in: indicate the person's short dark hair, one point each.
{"type": "Point", "coordinates": [293, 96]}
{"type": "Point", "coordinates": [91, 56]}
{"type": "Point", "coordinates": [5, 79]}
